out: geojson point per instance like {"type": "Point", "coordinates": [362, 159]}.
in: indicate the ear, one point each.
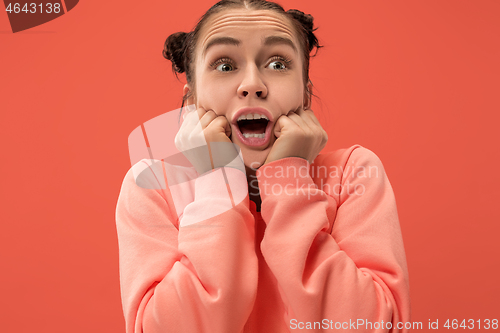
{"type": "Point", "coordinates": [307, 96]}
{"type": "Point", "coordinates": [185, 91]}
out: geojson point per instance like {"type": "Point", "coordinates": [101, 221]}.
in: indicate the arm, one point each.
{"type": "Point", "coordinates": [353, 270]}
{"type": "Point", "coordinates": [201, 277]}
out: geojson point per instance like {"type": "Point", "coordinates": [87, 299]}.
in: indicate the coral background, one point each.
{"type": "Point", "coordinates": [416, 82]}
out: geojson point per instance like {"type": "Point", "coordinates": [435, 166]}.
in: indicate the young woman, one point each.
{"type": "Point", "coordinates": [272, 236]}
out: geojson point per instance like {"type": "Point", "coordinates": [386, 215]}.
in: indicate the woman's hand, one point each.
{"type": "Point", "coordinates": [204, 139]}
{"type": "Point", "coordinates": [299, 134]}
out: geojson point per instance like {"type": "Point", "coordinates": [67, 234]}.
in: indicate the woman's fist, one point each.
{"type": "Point", "coordinates": [299, 134]}
{"type": "Point", "coordinates": [204, 139]}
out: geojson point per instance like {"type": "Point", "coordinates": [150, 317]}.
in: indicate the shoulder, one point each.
{"type": "Point", "coordinates": [146, 174]}
{"type": "Point", "coordinates": [342, 162]}
{"type": "Point", "coordinates": [157, 174]}
{"type": "Point", "coordinates": [342, 171]}
{"type": "Point", "coordinates": [142, 185]}
{"type": "Point", "coordinates": [356, 154]}
{"type": "Point", "coordinates": [151, 180]}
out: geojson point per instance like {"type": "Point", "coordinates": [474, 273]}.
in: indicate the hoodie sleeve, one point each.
{"type": "Point", "coordinates": [199, 275]}
{"type": "Point", "coordinates": [337, 251]}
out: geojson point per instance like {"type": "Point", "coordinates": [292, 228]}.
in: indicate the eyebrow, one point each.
{"type": "Point", "coordinates": [221, 41]}
{"type": "Point", "coordinates": [268, 41]}
{"type": "Point", "coordinates": [276, 40]}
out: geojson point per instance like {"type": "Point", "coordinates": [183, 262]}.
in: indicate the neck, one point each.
{"type": "Point", "coordinates": [253, 187]}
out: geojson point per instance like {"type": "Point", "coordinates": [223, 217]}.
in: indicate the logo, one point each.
{"type": "Point", "coordinates": [28, 14]}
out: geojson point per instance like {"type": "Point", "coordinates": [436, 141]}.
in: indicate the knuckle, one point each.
{"type": "Point", "coordinates": [301, 132]}
{"type": "Point", "coordinates": [310, 132]}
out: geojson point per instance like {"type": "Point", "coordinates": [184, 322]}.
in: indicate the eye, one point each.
{"type": "Point", "coordinates": [223, 65]}
{"type": "Point", "coordinates": [280, 63]}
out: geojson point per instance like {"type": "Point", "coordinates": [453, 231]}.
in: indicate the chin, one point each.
{"type": "Point", "coordinates": [254, 159]}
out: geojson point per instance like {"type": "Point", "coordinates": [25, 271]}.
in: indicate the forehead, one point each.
{"type": "Point", "coordinates": [239, 21]}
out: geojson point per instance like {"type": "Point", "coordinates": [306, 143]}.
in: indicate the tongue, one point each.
{"type": "Point", "coordinates": [253, 127]}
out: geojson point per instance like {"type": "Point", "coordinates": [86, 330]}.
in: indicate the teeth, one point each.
{"type": "Point", "coordinates": [260, 136]}
{"type": "Point", "coordinates": [251, 116]}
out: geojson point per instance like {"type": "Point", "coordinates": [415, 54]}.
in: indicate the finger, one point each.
{"type": "Point", "coordinates": [307, 116]}
{"type": "Point", "coordinates": [191, 119]}
{"type": "Point", "coordinates": [207, 118]}
{"type": "Point", "coordinates": [315, 125]}
{"type": "Point", "coordinates": [201, 112]}
{"type": "Point", "coordinates": [223, 123]}
{"type": "Point", "coordinates": [188, 110]}
{"type": "Point", "coordinates": [313, 117]}
{"type": "Point", "coordinates": [282, 123]}
{"type": "Point", "coordinates": [301, 120]}
{"type": "Point", "coordinates": [227, 127]}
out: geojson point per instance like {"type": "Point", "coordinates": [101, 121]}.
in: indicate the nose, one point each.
{"type": "Point", "coordinates": [252, 84]}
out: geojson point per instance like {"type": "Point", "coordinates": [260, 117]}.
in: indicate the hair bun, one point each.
{"type": "Point", "coordinates": [174, 50]}
{"type": "Point", "coordinates": [307, 22]}
{"type": "Point", "coordinates": [305, 19]}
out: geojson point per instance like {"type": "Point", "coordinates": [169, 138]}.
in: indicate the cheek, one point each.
{"type": "Point", "coordinates": [213, 94]}
{"type": "Point", "coordinates": [290, 94]}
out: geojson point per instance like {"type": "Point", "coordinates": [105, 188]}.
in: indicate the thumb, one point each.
{"type": "Point", "coordinates": [278, 126]}
{"type": "Point", "coordinates": [227, 127]}
{"type": "Point", "coordinates": [283, 122]}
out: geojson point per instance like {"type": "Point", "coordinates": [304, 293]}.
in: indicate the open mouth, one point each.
{"type": "Point", "coordinates": [253, 125]}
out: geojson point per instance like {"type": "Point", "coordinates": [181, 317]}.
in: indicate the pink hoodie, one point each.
{"type": "Point", "coordinates": [324, 254]}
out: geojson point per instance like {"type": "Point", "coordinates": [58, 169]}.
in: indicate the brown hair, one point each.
{"type": "Point", "coordinates": [179, 47]}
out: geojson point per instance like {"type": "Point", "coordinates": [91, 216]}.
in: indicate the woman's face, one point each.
{"type": "Point", "coordinates": [249, 62]}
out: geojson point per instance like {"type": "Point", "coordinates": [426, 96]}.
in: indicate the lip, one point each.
{"type": "Point", "coordinates": [254, 142]}
{"type": "Point", "coordinates": [244, 111]}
